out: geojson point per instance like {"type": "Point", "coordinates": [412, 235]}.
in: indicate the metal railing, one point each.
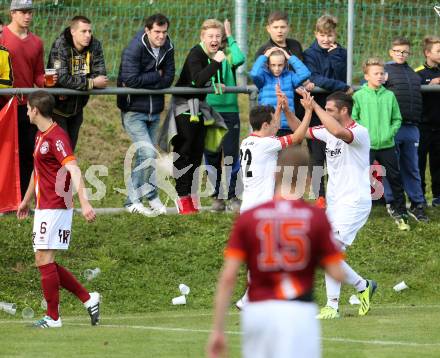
{"type": "Point", "coordinates": [251, 90]}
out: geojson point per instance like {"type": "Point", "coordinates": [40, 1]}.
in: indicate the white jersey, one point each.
{"type": "Point", "coordinates": [258, 158]}
{"type": "Point", "coordinates": [348, 166]}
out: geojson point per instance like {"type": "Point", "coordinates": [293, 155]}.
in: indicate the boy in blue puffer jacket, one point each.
{"type": "Point", "coordinates": [270, 70]}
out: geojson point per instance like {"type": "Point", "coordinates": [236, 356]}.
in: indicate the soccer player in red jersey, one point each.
{"type": "Point", "coordinates": [55, 167]}
{"type": "Point", "coordinates": [282, 242]}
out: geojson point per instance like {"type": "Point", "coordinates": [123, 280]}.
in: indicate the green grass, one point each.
{"type": "Point", "coordinates": [388, 331]}
{"type": "Point", "coordinates": [144, 260]}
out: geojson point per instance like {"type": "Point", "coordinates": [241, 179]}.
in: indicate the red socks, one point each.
{"type": "Point", "coordinates": [70, 283]}
{"type": "Point", "coordinates": [54, 275]}
{"type": "Point", "coordinates": [50, 283]}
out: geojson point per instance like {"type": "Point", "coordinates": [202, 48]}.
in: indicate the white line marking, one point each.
{"type": "Point", "coordinates": [380, 343]}
{"type": "Point", "coordinates": [332, 339]}
{"type": "Point", "coordinates": [152, 328]}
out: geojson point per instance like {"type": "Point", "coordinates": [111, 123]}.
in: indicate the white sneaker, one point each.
{"type": "Point", "coordinates": [138, 208]}
{"type": "Point", "coordinates": [47, 322]}
{"type": "Point", "coordinates": [157, 206]}
{"type": "Point", "coordinates": [92, 305]}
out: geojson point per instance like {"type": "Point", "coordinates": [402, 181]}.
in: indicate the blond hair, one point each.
{"type": "Point", "coordinates": [212, 24]}
{"type": "Point", "coordinates": [326, 24]}
{"type": "Point", "coordinates": [276, 53]}
{"type": "Point", "coordinates": [372, 61]}
{"type": "Point", "coordinates": [428, 42]}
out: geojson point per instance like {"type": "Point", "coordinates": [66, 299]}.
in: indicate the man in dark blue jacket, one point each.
{"type": "Point", "coordinates": [147, 62]}
{"type": "Point", "coordinates": [327, 61]}
{"type": "Point", "coordinates": [405, 84]}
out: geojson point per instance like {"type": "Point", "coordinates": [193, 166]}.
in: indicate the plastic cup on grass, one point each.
{"type": "Point", "coordinates": [9, 308]}
{"type": "Point", "coordinates": [184, 289]}
{"type": "Point", "coordinates": [181, 300]}
{"type": "Point", "coordinates": [400, 286]}
{"type": "Point", "coordinates": [90, 274]}
{"type": "Point", "coordinates": [354, 300]}
{"type": "Point", "coordinates": [27, 313]}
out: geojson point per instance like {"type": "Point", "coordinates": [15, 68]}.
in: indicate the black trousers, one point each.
{"type": "Point", "coordinates": [430, 144]}
{"type": "Point", "coordinates": [71, 125]}
{"type": "Point", "coordinates": [188, 145]}
{"type": "Point", "coordinates": [26, 143]}
{"type": "Point", "coordinates": [388, 159]}
{"type": "Point", "coordinates": [229, 151]}
{"type": "Point", "coordinates": [317, 159]}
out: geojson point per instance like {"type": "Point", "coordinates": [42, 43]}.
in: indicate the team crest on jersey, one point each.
{"type": "Point", "coordinates": [60, 147]}
{"type": "Point", "coordinates": [44, 147]}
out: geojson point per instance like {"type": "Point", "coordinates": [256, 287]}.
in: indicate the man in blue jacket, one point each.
{"type": "Point", "coordinates": [147, 62]}
{"type": "Point", "coordinates": [327, 61]}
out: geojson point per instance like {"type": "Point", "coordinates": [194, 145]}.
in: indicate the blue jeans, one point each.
{"type": "Point", "coordinates": [407, 143]}
{"type": "Point", "coordinates": [142, 129]}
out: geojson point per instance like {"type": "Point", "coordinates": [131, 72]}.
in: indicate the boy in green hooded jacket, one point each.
{"type": "Point", "coordinates": [376, 108]}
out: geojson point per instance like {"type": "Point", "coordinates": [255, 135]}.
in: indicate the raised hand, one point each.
{"type": "Point", "coordinates": [270, 50]}
{"type": "Point", "coordinates": [227, 25]}
{"type": "Point", "coordinates": [285, 53]}
{"type": "Point", "coordinates": [307, 101]}
{"type": "Point", "coordinates": [301, 91]}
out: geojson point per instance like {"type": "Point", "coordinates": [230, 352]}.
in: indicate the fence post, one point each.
{"type": "Point", "coordinates": [350, 37]}
{"type": "Point", "coordinates": [253, 98]}
{"type": "Point", "coordinates": [240, 27]}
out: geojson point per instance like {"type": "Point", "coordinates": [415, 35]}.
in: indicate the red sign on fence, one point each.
{"type": "Point", "coordinates": [10, 196]}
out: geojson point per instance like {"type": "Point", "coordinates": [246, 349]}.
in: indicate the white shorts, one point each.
{"type": "Point", "coordinates": [347, 220]}
{"type": "Point", "coordinates": [52, 229]}
{"type": "Point", "coordinates": [280, 329]}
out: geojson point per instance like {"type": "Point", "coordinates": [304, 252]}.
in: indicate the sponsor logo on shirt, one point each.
{"type": "Point", "coordinates": [60, 147]}
{"type": "Point", "coordinates": [333, 152]}
{"type": "Point", "coordinates": [44, 147]}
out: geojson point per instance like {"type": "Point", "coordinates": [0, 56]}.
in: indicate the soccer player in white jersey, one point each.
{"type": "Point", "coordinates": [55, 167]}
{"type": "Point", "coordinates": [259, 152]}
{"type": "Point", "coordinates": [348, 189]}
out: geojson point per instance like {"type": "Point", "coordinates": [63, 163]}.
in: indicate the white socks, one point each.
{"type": "Point", "coordinates": [333, 287]}
{"type": "Point", "coordinates": [353, 278]}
